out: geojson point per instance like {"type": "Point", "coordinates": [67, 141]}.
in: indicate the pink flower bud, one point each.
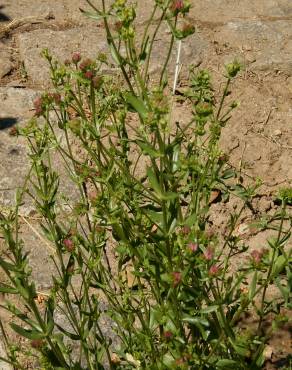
{"type": "Point", "coordinates": [176, 277]}
{"type": "Point", "coordinates": [257, 255]}
{"type": "Point", "coordinates": [69, 245]}
{"type": "Point", "coordinates": [177, 5]}
{"type": "Point", "coordinates": [214, 270]}
{"type": "Point", "coordinates": [208, 254]}
{"type": "Point", "coordinates": [193, 247]}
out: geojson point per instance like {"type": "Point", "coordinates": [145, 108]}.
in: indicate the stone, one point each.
{"type": "Point", "coordinates": [15, 105]}
{"type": "Point", "coordinates": [277, 133]}
{"type": "Point", "coordinates": [88, 41]}
{"type": "Point", "coordinates": [5, 63]}
{"type": "Point", "coordinates": [4, 365]}
{"type": "Point", "coordinates": [270, 42]}
{"type": "Point", "coordinates": [264, 204]}
{"type": "Point", "coordinates": [222, 11]}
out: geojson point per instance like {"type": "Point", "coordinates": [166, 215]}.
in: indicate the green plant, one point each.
{"type": "Point", "coordinates": [136, 245]}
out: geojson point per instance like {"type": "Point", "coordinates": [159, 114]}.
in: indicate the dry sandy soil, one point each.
{"type": "Point", "coordinates": [258, 138]}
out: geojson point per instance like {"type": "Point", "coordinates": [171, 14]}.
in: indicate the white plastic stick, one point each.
{"type": "Point", "coordinates": [177, 66]}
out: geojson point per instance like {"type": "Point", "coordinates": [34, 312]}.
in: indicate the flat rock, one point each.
{"type": "Point", "coordinates": [61, 10]}
{"type": "Point", "coordinates": [269, 42]}
{"type": "Point", "coordinates": [91, 41]}
{"type": "Point", "coordinates": [221, 11]}
{"type": "Point", "coordinates": [5, 63]}
{"type": "Point", "coordinates": [88, 41]}
{"type": "Point", "coordinates": [14, 109]}
{"type": "Point", "coordinates": [3, 365]}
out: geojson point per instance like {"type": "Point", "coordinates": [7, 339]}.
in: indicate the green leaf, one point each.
{"type": "Point", "coordinates": [8, 289]}
{"type": "Point", "coordinates": [279, 265]}
{"type": "Point", "coordinates": [95, 16]}
{"type": "Point", "coordinates": [228, 174]}
{"type": "Point", "coordinates": [253, 286]}
{"type": "Point", "coordinates": [30, 334]}
{"type": "Point", "coordinates": [209, 309]}
{"type": "Point", "coordinates": [114, 54]}
{"type": "Point", "coordinates": [7, 266]}
{"type": "Point", "coordinates": [226, 364]}
{"type": "Point", "coordinates": [190, 221]}
{"type": "Point", "coordinates": [194, 320]}
{"type": "Point", "coordinates": [68, 334]}
{"type": "Point", "coordinates": [169, 195]}
{"type": "Point", "coordinates": [168, 361]}
{"type": "Point", "coordinates": [154, 182]}
{"type": "Point", "coordinates": [148, 149]}
{"type": "Point", "coordinates": [137, 104]}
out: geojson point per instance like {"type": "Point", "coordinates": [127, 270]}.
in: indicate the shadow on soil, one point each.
{"type": "Point", "coordinates": [7, 122]}
{"type": "Point", "coordinates": [3, 17]}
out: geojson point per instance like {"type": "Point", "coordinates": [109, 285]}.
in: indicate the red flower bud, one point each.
{"type": "Point", "coordinates": [13, 131]}
{"type": "Point", "coordinates": [193, 247]}
{"type": "Point", "coordinates": [88, 75]}
{"type": "Point", "coordinates": [69, 245]}
{"type": "Point", "coordinates": [176, 277]}
{"type": "Point", "coordinates": [76, 57]}
{"type": "Point", "coordinates": [38, 106]}
{"type": "Point", "coordinates": [168, 334]}
{"type": "Point", "coordinates": [57, 98]}
{"type": "Point", "coordinates": [97, 82]}
{"type": "Point", "coordinates": [214, 270]}
{"type": "Point", "coordinates": [185, 230]}
{"type": "Point", "coordinates": [208, 254]}
{"type": "Point", "coordinates": [37, 343]}
{"type": "Point", "coordinates": [85, 64]}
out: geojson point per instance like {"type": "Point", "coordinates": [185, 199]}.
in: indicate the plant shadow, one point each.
{"type": "Point", "coordinates": [3, 17]}
{"type": "Point", "coordinates": [7, 122]}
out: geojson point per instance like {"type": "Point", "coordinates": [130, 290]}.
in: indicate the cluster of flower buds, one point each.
{"type": "Point", "coordinates": [39, 106]}
{"type": "Point", "coordinates": [257, 255]}
{"type": "Point", "coordinates": [45, 100]}
{"type": "Point", "coordinates": [87, 68]}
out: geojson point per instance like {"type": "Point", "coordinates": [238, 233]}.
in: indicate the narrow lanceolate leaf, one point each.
{"type": "Point", "coordinates": [226, 364]}
{"type": "Point", "coordinates": [279, 265]}
{"type": "Point", "coordinates": [137, 104]}
{"type": "Point", "coordinates": [147, 148]}
{"type": "Point", "coordinates": [209, 309]}
{"type": "Point", "coordinates": [253, 285]}
{"type": "Point", "coordinates": [154, 182]}
{"type": "Point", "coordinates": [95, 16]}
{"type": "Point", "coordinates": [27, 333]}
{"type": "Point", "coordinates": [8, 289]}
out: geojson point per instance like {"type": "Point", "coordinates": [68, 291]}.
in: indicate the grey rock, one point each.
{"type": "Point", "coordinates": [15, 105]}
{"type": "Point", "coordinates": [192, 52]}
{"type": "Point", "coordinates": [89, 41]}
{"type": "Point", "coordinates": [221, 11]}
{"type": "Point", "coordinates": [4, 365]}
{"type": "Point", "coordinates": [5, 62]}
{"type": "Point", "coordinates": [270, 42]}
